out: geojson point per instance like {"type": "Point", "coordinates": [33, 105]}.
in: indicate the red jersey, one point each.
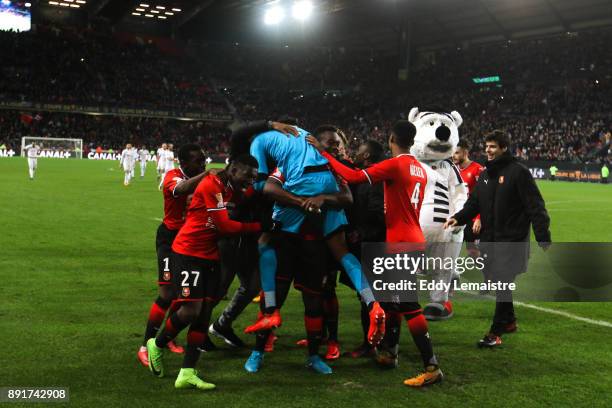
{"type": "Point", "coordinates": [207, 218]}
{"type": "Point", "coordinates": [404, 181]}
{"type": "Point", "coordinates": [174, 206]}
{"type": "Point", "coordinates": [470, 175]}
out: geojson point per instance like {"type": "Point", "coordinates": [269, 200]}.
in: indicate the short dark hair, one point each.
{"type": "Point", "coordinates": [404, 132]}
{"type": "Point", "coordinates": [464, 145]}
{"type": "Point", "coordinates": [289, 120]}
{"type": "Point", "coordinates": [184, 153]}
{"type": "Point", "coordinates": [377, 151]}
{"type": "Point", "coordinates": [245, 160]}
{"type": "Point", "coordinates": [498, 137]}
{"type": "Point", "coordinates": [324, 128]}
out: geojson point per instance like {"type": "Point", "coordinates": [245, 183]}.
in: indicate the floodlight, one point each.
{"type": "Point", "coordinates": [274, 15]}
{"type": "Point", "coordinates": [302, 10]}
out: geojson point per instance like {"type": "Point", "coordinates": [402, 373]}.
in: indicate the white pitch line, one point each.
{"type": "Point", "coordinates": [602, 323]}
{"type": "Point", "coordinates": [565, 314]}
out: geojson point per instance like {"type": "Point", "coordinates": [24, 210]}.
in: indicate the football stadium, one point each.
{"type": "Point", "coordinates": [306, 203]}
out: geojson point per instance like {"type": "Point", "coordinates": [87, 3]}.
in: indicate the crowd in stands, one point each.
{"type": "Point", "coordinates": [69, 66]}
{"type": "Point", "coordinates": [554, 95]}
{"type": "Point", "coordinates": [113, 132]}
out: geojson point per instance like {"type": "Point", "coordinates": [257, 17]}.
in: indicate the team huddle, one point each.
{"type": "Point", "coordinates": [293, 207]}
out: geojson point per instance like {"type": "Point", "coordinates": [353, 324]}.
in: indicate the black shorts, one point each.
{"type": "Point", "coordinates": [303, 262]}
{"type": "Point", "coordinates": [163, 244]}
{"type": "Point", "coordinates": [196, 279]}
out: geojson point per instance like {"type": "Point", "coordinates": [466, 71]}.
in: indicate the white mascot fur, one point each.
{"type": "Point", "coordinates": [437, 135]}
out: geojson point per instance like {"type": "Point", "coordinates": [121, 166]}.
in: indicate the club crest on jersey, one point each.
{"type": "Point", "coordinates": [186, 292]}
{"type": "Point", "coordinates": [501, 179]}
{"type": "Point", "coordinates": [166, 276]}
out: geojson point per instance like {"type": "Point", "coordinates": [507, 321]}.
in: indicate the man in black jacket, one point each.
{"type": "Point", "coordinates": [508, 201]}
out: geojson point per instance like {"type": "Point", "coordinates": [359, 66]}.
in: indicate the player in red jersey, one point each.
{"type": "Point", "coordinates": [404, 180]}
{"type": "Point", "coordinates": [195, 265]}
{"type": "Point", "coordinates": [470, 170]}
{"type": "Point", "coordinates": [176, 187]}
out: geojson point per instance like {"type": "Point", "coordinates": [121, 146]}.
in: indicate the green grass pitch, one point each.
{"type": "Point", "coordinates": [78, 275]}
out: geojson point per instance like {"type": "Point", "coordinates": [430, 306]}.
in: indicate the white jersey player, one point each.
{"type": "Point", "coordinates": [128, 161]}
{"type": "Point", "coordinates": [134, 152]}
{"type": "Point", "coordinates": [161, 160]}
{"type": "Point", "coordinates": [32, 151]}
{"type": "Point", "coordinates": [143, 157]}
{"type": "Point", "coordinates": [169, 158]}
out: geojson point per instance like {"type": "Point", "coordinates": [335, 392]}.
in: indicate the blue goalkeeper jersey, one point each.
{"type": "Point", "coordinates": [291, 155]}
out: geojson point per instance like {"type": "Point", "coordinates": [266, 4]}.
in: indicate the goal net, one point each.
{"type": "Point", "coordinates": [54, 147]}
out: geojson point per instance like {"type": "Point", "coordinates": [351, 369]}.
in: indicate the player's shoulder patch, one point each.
{"type": "Point", "coordinates": [277, 175]}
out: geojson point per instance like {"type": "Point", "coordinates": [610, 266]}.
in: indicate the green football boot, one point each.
{"type": "Point", "coordinates": [188, 378]}
{"type": "Point", "coordinates": [156, 363]}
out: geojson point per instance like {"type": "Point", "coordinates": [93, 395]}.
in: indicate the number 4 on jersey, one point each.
{"type": "Point", "coordinates": [414, 198]}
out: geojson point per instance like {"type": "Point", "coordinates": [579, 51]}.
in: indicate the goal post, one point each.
{"type": "Point", "coordinates": [61, 148]}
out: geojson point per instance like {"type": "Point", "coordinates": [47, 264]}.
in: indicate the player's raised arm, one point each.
{"type": "Point", "coordinates": [191, 162]}
{"type": "Point", "coordinates": [381, 171]}
{"type": "Point", "coordinates": [274, 189]}
{"type": "Point", "coordinates": [352, 176]}
{"type": "Point", "coordinates": [342, 199]}
{"type": "Point", "coordinates": [241, 136]}
{"type": "Point", "coordinates": [188, 186]}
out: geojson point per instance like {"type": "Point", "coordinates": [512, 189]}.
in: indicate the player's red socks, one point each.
{"type": "Point", "coordinates": [417, 324]}
{"type": "Point", "coordinates": [195, 340]}
{"type": "Point", "coordinates": [174, 325]}
{"type": "Point", "coordinates": [314, 328]}
{"type": "Point", "coordinates": [330, 312]}
{"type": "Point", "coordinates": [157, 313]}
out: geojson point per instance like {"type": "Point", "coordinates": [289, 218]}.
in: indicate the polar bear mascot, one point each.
{"type": "Point", "coordinates": [437, 135]}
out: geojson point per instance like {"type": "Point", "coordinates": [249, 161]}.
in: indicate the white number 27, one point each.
{"type": "Point", "coordinates": [186, 275]}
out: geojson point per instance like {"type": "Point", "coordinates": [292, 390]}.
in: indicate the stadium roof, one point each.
{"type": "Point", "coordinates": [372, 23]}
